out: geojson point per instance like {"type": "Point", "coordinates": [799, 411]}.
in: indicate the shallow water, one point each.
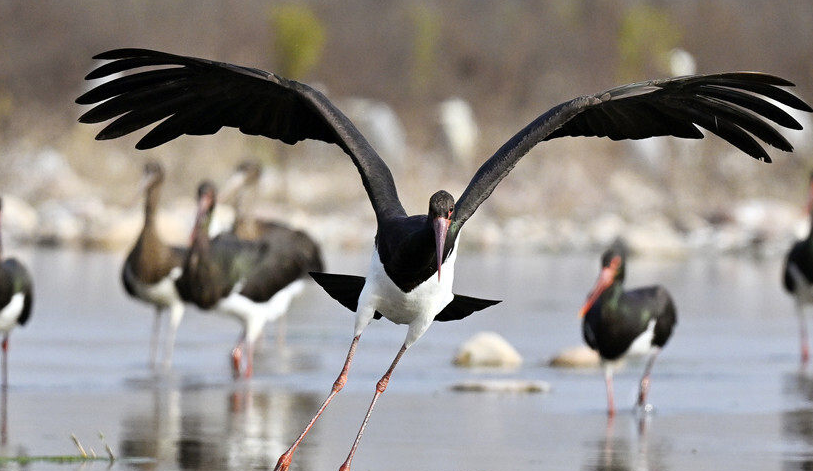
{"type": "Point", "coordinates": [726, 389]}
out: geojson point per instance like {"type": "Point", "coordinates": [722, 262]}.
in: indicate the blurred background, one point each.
{"type": "Point", "coordinates": [436, 86]}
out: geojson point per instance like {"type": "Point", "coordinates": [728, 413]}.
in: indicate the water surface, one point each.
{"type": "Point", "coordinates": [726, 389]}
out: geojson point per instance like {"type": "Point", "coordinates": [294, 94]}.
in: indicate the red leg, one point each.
{"type": "Point", "coordinates": [379, 389]}
{"type": "Point", "coordinates": [803, 338]}
{"type": "Point", "coordinates": [237, 359]}
{"type": "Point", "coordinates": [237, 356]}
{"type": "Point", "coordinates": [285, 460]}
{"type": "Point", "coordinates": [250, 360]}
{"type": "Point", "coordinates": [5, 361]}
{"type": "Point", "coordinates": [608, 379]}
{"type": "Point", "coordinates": [4, 430]}
{"type": "Point", "coordinates": [156, 331]}
{"type": "Point", "coordinates": [644, 390]}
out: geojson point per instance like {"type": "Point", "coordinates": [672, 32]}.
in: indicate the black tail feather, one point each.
{"type": "Point", "coordinates": [463, 306]}
{"type": "Point", "coordinates": [347, 288]}
{"type": "Point", "coordinates": [343, 288]}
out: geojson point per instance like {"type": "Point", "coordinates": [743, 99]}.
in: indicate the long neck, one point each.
{"type": "Point", "coordinates": [243, 202]}
{"type": "Point", "coordinates": [151, 205]}
{"type": "Point", "coordinates": [200, 238]}
{"type": "Point", "coordinates": [245, 225]}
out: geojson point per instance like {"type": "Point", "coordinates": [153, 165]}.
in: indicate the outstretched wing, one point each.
{"type": "Point", "coordinates": [729, 105]}
{"type": "Point", "coordinates": [198, 96]}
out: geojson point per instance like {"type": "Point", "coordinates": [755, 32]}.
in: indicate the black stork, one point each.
{"type": "Point", "coordinates": [253, 281]}
{"type": "Point", "coordinates": [404, 284]}
{"type": "Point", "coordinates": [238, 188]}
{"type": "Point", "coordinates": [151, 267]}
{"type": "Point", "coordinates": [798, 276]}
{"type": "Point", "coordinates": [617, 323]}
{"type": "Point", "coordinates": [16, 299]}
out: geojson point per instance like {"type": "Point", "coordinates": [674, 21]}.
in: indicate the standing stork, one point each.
{"type": "Point", "coordinates": [618, 323]}
{"type": "Point", "coordinates": [151, 267]}
{"type": "Point", "coordinates": [412, 266]}
{"type": "Point", "coordinates": [16, 298]}
{"type": "Point", "coordinates": [252, 281]}
{"type": "Point", "coordinates": [798, 277]}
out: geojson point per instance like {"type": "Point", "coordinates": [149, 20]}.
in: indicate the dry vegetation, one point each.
{"type": "Point", "coordinates": [511, 60]}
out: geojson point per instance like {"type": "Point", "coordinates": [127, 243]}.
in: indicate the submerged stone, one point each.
{"type": "Point", "coordinates": [502, 386]}
{"type": "Point", "coordinates": [581, 356]}
{"type": "Point", "coordinates": [487, 349]}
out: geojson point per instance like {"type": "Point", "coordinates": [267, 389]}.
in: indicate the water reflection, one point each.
{"type": "Point", "coordinates": [154, 433]}
{"type": "Point", "coordinates": [618, 451]}
{"type": "Point", "coordinates": [797, 424]}
{"type": "Point", "coordinates": [215, 428]}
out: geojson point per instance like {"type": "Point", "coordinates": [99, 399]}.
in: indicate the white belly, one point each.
{"type": "Point", "coordinates": [162, 293]}
{"type": "Point", "coordinates": [12, 311]}
{"type": "Point", "coordinates": [643, 343]}
{"type": "Point", "coordinates": [253, 314]}
{"type": "Point", "coordinates": [419, 306]}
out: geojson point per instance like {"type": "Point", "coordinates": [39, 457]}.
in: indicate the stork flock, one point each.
{"type": "Point", "coordinates": [252, 270]}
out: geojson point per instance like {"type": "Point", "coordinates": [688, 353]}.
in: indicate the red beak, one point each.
{"type": "Point", "coordinates": [441, 225]}
{"type": "Point", "coordinates": [605, 280]}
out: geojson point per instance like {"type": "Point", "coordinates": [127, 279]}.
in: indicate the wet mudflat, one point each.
{"type": "Point", "coordinates": [727, 391]}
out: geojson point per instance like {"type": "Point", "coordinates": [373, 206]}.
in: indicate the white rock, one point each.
{"type": "Point", "coordinates": [605, 228]}
{"type": "Point", "coordinates": [487, 349]}
{"type": "Point", "coordinates": [57, 224]}
{"type": "Point", "coordinates": [655, 235]}
{"type": "Point", "coordinates": [764, 216]}
{"type": "Point", "coordinates": [377, 121]}
{"type": "Point", "coordinates": [459, 127]}
{"type": "Point", "coordinates": [580, 356]}
{"type": "Point", "coordinates": [48, 175]}
{"type": "Point", "coordinates": [122, 232]}
{"type": "Point", "coordinates": [681, 62]}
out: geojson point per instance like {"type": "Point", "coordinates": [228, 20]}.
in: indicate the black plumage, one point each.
{"type": "Point", "coordinates": [614, 319]}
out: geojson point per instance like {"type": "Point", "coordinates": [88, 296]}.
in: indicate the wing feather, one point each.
{"type": "Point", "coordinates": [730, 105]}
{"type": "Point", "coordinates": [196, 96]}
